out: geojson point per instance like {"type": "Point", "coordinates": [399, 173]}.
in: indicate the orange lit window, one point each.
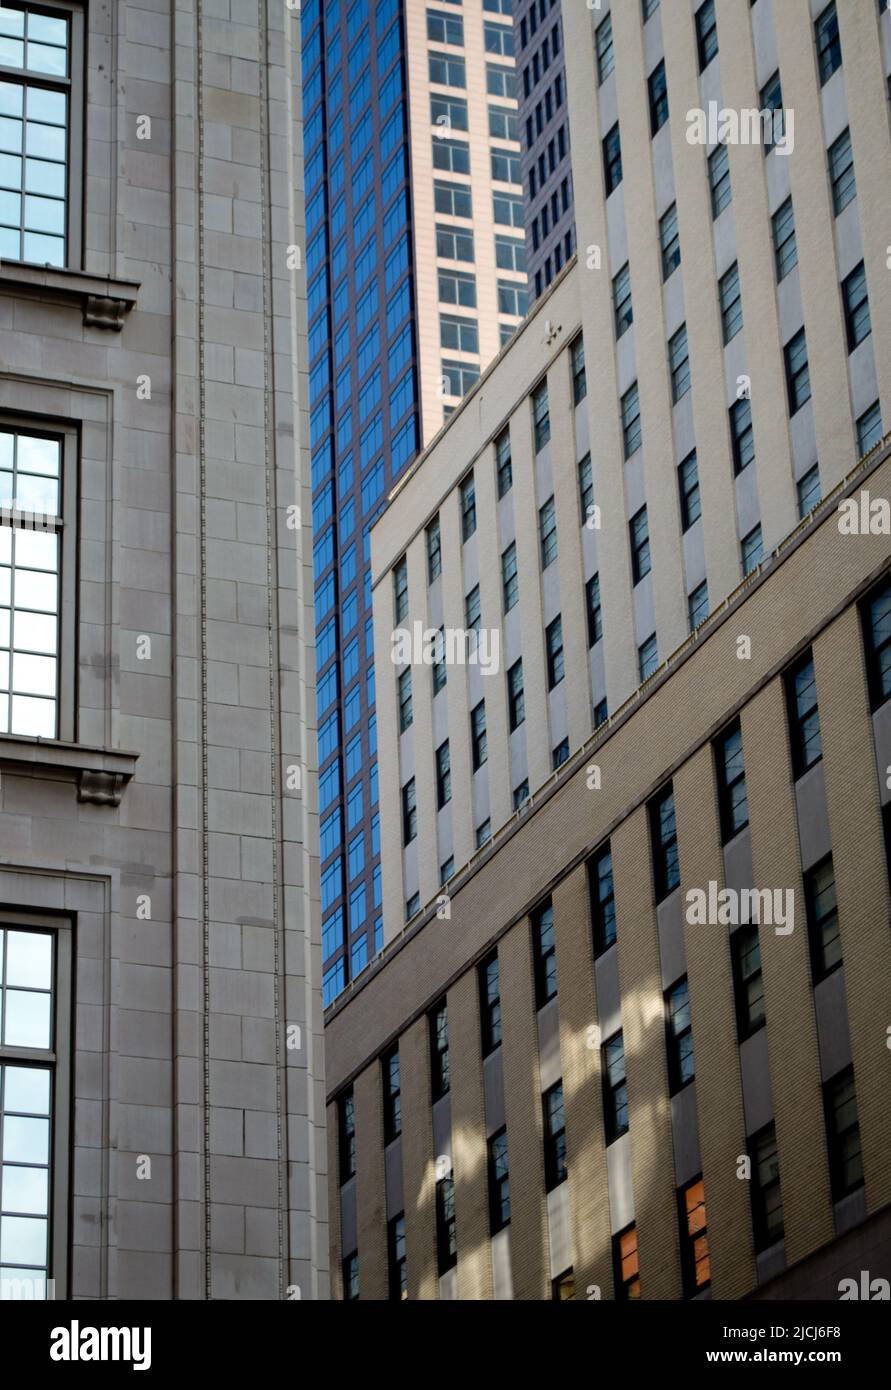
{"type": "Point", "coordinates": [627, 1265]}
{"type": "Point", "coordinates": [696, 1232]}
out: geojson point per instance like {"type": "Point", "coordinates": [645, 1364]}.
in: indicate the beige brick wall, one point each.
{"type": "Point", "coordinates": [469, 1149]}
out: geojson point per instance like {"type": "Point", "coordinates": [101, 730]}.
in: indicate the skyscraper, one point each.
{"type": "Point", "coordinates": [416, 276]}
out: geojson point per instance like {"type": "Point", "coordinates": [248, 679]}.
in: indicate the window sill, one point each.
{"type": "Point", "coordinates": [104, 303]}
{"type": "Point", "coordinates": [101, 774]}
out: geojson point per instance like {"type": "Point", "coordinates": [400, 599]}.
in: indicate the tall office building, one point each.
{"type": "Point", "coordinates": [644, 802]}
{"type": "Point", "coordinates": [161, 1093]}
{"type": "Point", "coordinates": [416, 276]}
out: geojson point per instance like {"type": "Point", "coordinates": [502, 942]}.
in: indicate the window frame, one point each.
{"type": "Point", "coordinates": [747, 1023]}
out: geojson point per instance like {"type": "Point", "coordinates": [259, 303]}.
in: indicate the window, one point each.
{"type": "Point", "coordinates": [804, 716]}
{"type": "Point", "coordinates": [602, 898]}
{"type": "Point", "coordinates": [448, 113]}
{"type": "Point", "coordinates": [454, 243]}
{"type": "Point", "coordinates": [822, 919]}
{"type": "Point", "coordinates": [472, 612]}
{"type": "Point", "coordinates": [679, 1029]}
{"type": "Point", "coordinates": [434, 551]}
{"type": "Point", "coordinates": [809, 490]}
{"type": "Point", "coordinates": [626, 1264]}
{"type": "Point", "coordinates": [706, 34]}
{"type": "Point", "coordinates": [798, 377]}
{"type": "Point", "coordinates": [392, 1096]}
{"type": "Point", "coordinates": [612, 160]}
{"type": "Point", "coordinates": [544, 948]}
{"type": "Point", "coordinates": [458, 334]}
{"type": "Point", "coordinates": [439, 1051]}
{"type": "Point", "coordinates": [505, 167]}
{"type": "Point", "coordinates": [773, 115]}
{"type": "Point", "coordinates": [521, 794]}
{"type": "Point", "coordinates": [445, 28]}
{"type": "Point", "coordinates": [409, 813]}
{"type": "Point", "coordinates": [563, 1287]}
{"type": "Point", "coordinates": [669, 241]}
{"type": "Point", "coordinates": [502, 82]}
{"type": "Point", "coordinates": [451, 155]}
{"type": "Point", "coordinates": [457, 287]}
{"type": "Point", "coordinates": [350, 1269]}
{"type": "Point", "coordinates": [841, 172]}
{"type": "Point", "coordinates": [547, 533]}
{"type": "Point", "coordinates": [457, 379]}
{"type": "Point", "coordinates": [503, 469]}
{"type": "Point", "coordinates": [748, 986]}
{"type": "Point", "coordinates": [615, 1089]}
{"type": "Point", "coordinates": [784, 244]}
{"type": "Point", "coordinates": [856, 302]}
{"type": "Point", "coordinates": [695, 1263]}
{"type": "Point", "coordinates": [767, 1199]}
{"type": "Point", "coordinates": [512, 298]}
{"type": "Point", "coordinates": [640, 545]}
{"type": "Point", "coordinates": [679, 364]}
{"type": "Point", "coordinates": [560, 754]}
{"type": "Point", "coordinates": [688, 487]}
{"type": "Point", "coordinates": [623, 312]}
{"type": "Point", "coordinates": [593, 610]}
{"type": "Point", "coordinates": [631, 428]}
{"type": "Point", "coordinates": [876, 619]}
{"type": "Point", "coordinates": [404, 699]}
{"type": "Point", "coordinates": [42, 101]}
{"type": "Point", "coordinates": [479, 744]}
{"type": "Point", "coordinates": [400, 589]}
{"type": "Point", "coordinates": [346, 1112]}
{"type": "Point", "coordinates": [649, 8]}
{"type": "Point", "coordinates": [36, 542]}
{"type": "Point", "coordinates": [499, 1182]}
{"type": "Point", "coordinates": [657, 88]}
{"type": "Point", "coordinates": [443, 776]}
{"type": "Point", "coordinates": [447, 869]}
{"type": "Point", "coordinates": [490, 1004]}
{"type": "Point", "coordinates": [647, 657]}
{"type": "Point", "coordinates": [601, 713]}
{"type": "Point", "coordinates": [397, 1280]}
{"type": "Point", "coordinates": [732, 799]}
{"type": "Point", "coordinates": [731, 303]}
{"type": "Point", "coordinates": [498, 38]}
{"type": "Point", "coordinates": [510, 253]}
{"type": "Point", "coordinates": [719, 180]}
{"type": "Point", "coordinates": [843, 1134]}
{"type": "Point", "coordinates": [452, 199]}
{"type": "Point", "coordinates": [663, 834]}
{"type": "Point", "coordinates": [507, 210]}
{"type": "Point", "coordinates": [752, 550]}
{"type": "Point", "coordinates": [554, 648]}
{"type": "Point", "coordinates": [829, 54]}
{"type": "Point", "coordinates": [510, 583]}
{"type": "Point", "coordinates": [869, 429]}
{"type": "Point", "coordinates": [603, 43]}
{"type": "Point", "coordinates": [440, 671]}
{"type": "Point", "coordinates": [554, 1137]}
{"type": "Point", "coordinates": [697, 605]}
{"type": "Point", "coordinates": [541, 417]}
{"type": "Point", "coordinates": [742, 435]}
{"type": "Point", "coordinates": [483, 833]}
{"type": "Point", "coordinates": [579, 380]}
{"type": "Point", "coordinates": [515, 697]}
{"type": "Point", "coordinates": [468, 508]}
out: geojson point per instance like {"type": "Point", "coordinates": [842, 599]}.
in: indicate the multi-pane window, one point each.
{"type": "Point", "coordinates": [732, 798]}
{"type": "Point", "coordinates": [448, 113]}
{"type": "Point", "coordinates": [615, 1088]}
{"type": "Point", "coordinates": [510, 253]}
{"type": "Point", "coordinates": [541, 417]}
{"type": "Point", "coordinates": [602, 898]}
{"type": "Point", "coordinates": [843, 1134]}
{"type": "Point", "coordinates": [468, 508]}
{"type": "Point", "coordinates": [503, 468]}
{"type": "Point", "coordinates": [446, 71]}
{"type": "Point", "coordinates": [434, 551]}
{"type": "Point", "coordinates": [454, 243]}
{"type": "Point", "coordinates": [804, 716]}
{"type": "Point", "coordinates": [657, 90]}
{"type": "Point", "coordinates": [409, 812]}
{"type": "Point", "coordinates": [706, 34]}
{"type": "Point", "coordinates": [829, 52]}
{"type": "Point", "coordinates": [445, 28]}
{"type": "Point", "coordinates": [447, 869]}
{"type": "Point", "coordinates": [767, 1198]}
{"type": "Point", "coordinates": [439, 1051]}
{"type": "Point", "coordinates": [554, 1137]}
{"type": "Point", "coordinates": [404, 699]}
{"type": "Point", "coordinates": [622, 309]}
{"type": "Point", "coordinates": [521, 793]}
{"type": "Point", "coordinates": [544, 954]}
{"type": "Point", "coordinates": [346, 1115]}
{"type": "Point", "coordinates": [440, 670]}
{"type": "Point", "coordinates": [664, 839]}
{"type": "Point", "coordinates": [695, 1262]}
{"type": "Point", "coordinates": [516, 701]}
{"type": "Point", "coordinates": [453, 199]}
{"type": "Point", "coordinates": [772, 106]}
{"type": "Point", "coordinates": [472, 610]}
{"type": "Point", "coordinates": [748, 985]}
{"type": "Point", "coordinates": [679, 1031]}
{"type": "Point", "coordinates": [785, 247]}
{"type": "Point", "coordinates": [443, 776]}
{"type": "Point", "coordinates": [669, 241]}
{"type": "Point", "coordinates": [648, 657]}
{"type": "Point", "coordinates": [547, 533]}
{"type": "Point", "coordinates": [510, 582]}
{"type": "Point", "coordinates": [512, 299]}
{"type": "Point", "coordinates": [458, 334]}
{"type": "Point", "coordinates": [39, 100]}
{"type": "Point", "coordinates": [731, 303]}
{"type": "Point", "coordinates": [679, 364]}
{"type": "Point", "coordinates": [490, 1004]}
{"type": "Point", "coordinates": [798, 376]}
{"type": "Point", "coordinates": [483, 833]}
{"type": "Point", "coordinates": [446, 1235]}
{"type": "Point", "coordinates": [688, 489]}
{"type": "Point", "coordinates": [560, 754]}
{"type": "Point", "coordinates": [554, 650]}
{"type": "Point", "coordinates": [841, 172]}
{"type": "Point", "coordinates": [856, 302]}
{"type": "Point", "coordinates": [452, 155]}
{"type": "Point", "coordinates": [603, 43]}
{"type": "Point", "coordinates": [505, 167]}
{"type": "Point", "coordinates": [639, 532]}
{"type": "Point", "coordinates": [631, 427]}
{"type": "Point", "coordinates": [457, 287]}
{"type": "Point", "coordinates": [869, 428]}
{"type": "Point", "coordinates": [350, 1270]}
{"type": "Point", "coordinates": [586, 489]}
{"type": "Point", "coordinates": [458, 377]}
{"type": "Point", "coordinates": [876, 619]}
{"type": "Point", "coordinates": [579, 380]}
{"type": "Point", "coordinates": [626, 1264]}
{"type": "Point", "coordinates": [612, 160]}
{"type": "Point", "coordinates": [563, 1287]}
{"type": "Point", "coordinates": [808, 488]}
{"type": "Point", "coordinates": [649, 7]}
{"type": "Point", "coordinates": [400, 590]}
{"type": "Point", "coordinates": [697, 605]}
{"type": "Point", "coordinates": [742, 434]}
{"type": "Point", "coordinates": [27, 1087]}
{"type": "Point", "coordinates": [498, 38]}
{"type": "Point", "coordinates": [31, 540]}
{"type": "Point", "coordinates": [392, 1096]}
{"type": "Point", "coordinates": [593, 610]}
{"type": "Point", "coordinates": [478, 741]}
{"type": "Point", "coordinates": [397, 1278]}
{"type": "Point", "coordinates": [824, 934]}
{"type": "Point", "coordinates": [499, 1182]}
{"type": "Point", "coordinates": [719, 180]}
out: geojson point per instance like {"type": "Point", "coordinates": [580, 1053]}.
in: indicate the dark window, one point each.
{"type": "Point", "coordinates": [541, 418]}
{"type": "Point", "coordinates": [808, 491]}
{"type": "Point", "coordinates": [841, 172]}
{"type": "Point", "coordinates": [350, 1270]}
{"type": "Point", "coordinates": [446, 1241]}
{"type": "Point", "coordinates": [688, 487]}
{"type": "Point", "coordinates": [748, 985]}
{"type": "Point", "coordinates": [439, 1051]}
{"type": "Point", "coordinates": [594, 611]}
{"type": "Point", "coordinates": [603, 43]}
{"type": "Point", "coordinates": [400, 590]}
{"type": "Point", "coordinates": [560, 754]}
{"type": "Point", "coordinates": [515, 697]}
{"type": "Point", "coordinates": [554, 1137]}
{"type": "Point", "coordinates": [856, 302]}
{"type": "Point", "coordinates": [468, 509]}
{"type": "Point", "coordinates": [843, 1134]}
{"type": "Point", "coordinates": [719, 180]}
{"type": "Point", "coordinates": [706, 34]}
{"type": "Point", "coordinates": [440, 670]}
{"type": "Point", "coordinates": [669, 241]}
{"type": "Point", "coordinates": [622, 309]}
{"type": "Point", "coordinates": [767, 1199]}
{"type": "Point", "coordinates": [663, 833]}
{"type": "Point", "coordinates": [392, 1096]}
{"type": "Point", "coordinates": [472, 610]}
{"type": "Point", "coordinates": [647, 657]}
{"type": "Point", "coordinates": [631, 427]}
{"type": "Point", "coordinates": [626, 1265]}
{"type": "Point", "coordinates": [554, 647]}
{"type": "Point", "coordinates": [829, 53]}
{"type": "Point", "coordinates": [822, 919]}
{"type": "Point", "coordinates": [490, 1004]}
{"type": "Point", "coordinates": [798, 377]}
{"type": "Point", "coordinates": [772, 105]}
{"type": "Point", "coordinates": [681, 1067]}
{"type": "Point", "coordinates": [697, 605]}
{"type": "Point", "coordinates": [603, 903]}
{"type": "Point", "coordinates": [784, 244]}
{"type": "Point", "coordinates": [547, 532]}
{"type": "Point", "coordinates": [869, 429]}
{"type": "Point", "coordinates": [640, 545]}
{"type": "Point", "coordinates": [657, 88]}
{"type": "Point", "coordinates": [695, 1262]}
{"type": "Point", "coordinates": [752, 547]}
{"type": "Point", "coordinates": [679, 364]}
{"type": "Point", "coordinates": [346, 1115]}
{"type": "Point", "coordinates": [434, 551]}
{"type": "Point", "coordinates": [612, 160]}
{"type": "Point", "coordinates": [499, 1182]}
{"type": "Point", "coordinates": [876, 618]}
{"type": "Point", "coordinates": [478, 739]}
{"type": "Point", "coordinates": [563, 1287]}
{"type": "Point", "coordinates": [731, 303]}
{"type": "Point", "coordinates": [615, 1089]}
{"type": "Point", "coordinates": [544, 948]}
{"type": "Point", "coordinates": [510, 580]}
{"type": "Point", "coordinates": [398, 1282]}
{"type": "Point", "coordinates": [409, 813]}
{"type": "Point", "coordinates": [579, 380]}
{"type": "Point", "coordinates": [586, 491]}
{"type": "Point", "coordinates": [804, 716]}
{"type": "Point", "coordinates": [732, 799]}
{"type": "Point", "coordinates": [742, 435]}
{"type": "Point", "coordinates": [503, 467]}
{"type": "Point", "coordinates": [443, 776]}
{"type": "Point", "coordinates": [404, 698]}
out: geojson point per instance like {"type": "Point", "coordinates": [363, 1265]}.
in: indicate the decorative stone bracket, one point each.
{"type": "Point", "coordinates": [101, 774]}
{"type": "Point", "coordinates": [104, 303]}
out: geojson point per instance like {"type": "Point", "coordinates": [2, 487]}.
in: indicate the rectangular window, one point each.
{"type": "Point", "coordinates": [452, 199]}
{"type": "Point", "coordinates": [397, 1280]}
{"type": "Point", "coordinates": [829, 53]}
{"type": "Point", "coordinates": [515, 696]}
{"type": "Point", "coordinates": [875, 615]}
{"type": "Point", "coordinates": [392, 1096]}
{"type": "Point", "coordinates": [593, 610]}
{"type": "Point", "coordinates": [458, 379]}
{"type": "Point", "coordinates": [767, 1199]}
{"type": "Point", "coordinates": [822, 919]}
{"type": "Point", "coordinates": [521, 793]}
{"type": "Point", "coordinates": [412, 906]}
{"type": "Point", "coordinates": [554, 649]}
{"type": "Point", "coordinates": [404, 700]}
{"type": "Point", "coordinates": [731, 303]}
{"type": "Point", "coordinates": [457, 287]}
{"type": "Point", "coordinates": [679, 364]}
{"type": "Point", "coordinates": [695, 1262]}
{"type": "Point", "coordinates": [547, 533]}
{"type": "Point", "coordinates": [869, 429]}
{"type": "Point", "coordinates": [631, 427]}
{"type": "Point", "coordinates": [602, 899]}
{"type": "Point", "coordinates": [697, 605]}
{"type": "Point", "coordinates": [841, 172]}
{"type": "Point", "coordinates": [804, 716]}
{"type": "Point", "coordinates": [440, 671]}
{"type": "Point", "coordinates": [586, 491]}
{"type": "Point", "coordinates": [785, 246]}
{"type": "Point", "coordinates": [603, 43]}
{"type": "Point", "coordinates": [503, 469]}
{"type": "Point", "coordinates": [443, 776]}
{"type": "Point", "coordinates": [742, 435]}
{"type": "Point", "coordinates": [647, 657]}
{"type": "Point", "coordinates": [510, 253]}
{"type": "Point", "coordinates": [748, 985]}
{"type": "Point", "coordinates": [541, 417]}
{"type": "Point", "coordinates": [499, 39]}
{"type": "Point", "coordinates": [798, 377]}
{"type": "Point", "coordinates": [400, 590]}
{"type": "Point", "coordinates": [719, 180]}
{"type": "Point", "coordinates": [579, 380]}
{"type": "Point", "coordinates": [409, 813]}
{"type": "Point", "coordinates": [446, 1239]}
{"type": "Point", "coordinates": [499, 1183]}
{"type": "Point", "coordinates": [454, 243]}
{"type": "Point", "coordinates": [510, 583]}
{"type": "Point", "coordinates": [472, 610]}
{"type": "Point", "coordinates": [664, 839]}
{"type": "Point", "coordinates": [490, 1004]}
{"type": "Point", "coordinates": [544, 948]}
{"type": "Point", "coordinates": [449, 113]}
{"type": "Point", "coordinates": [622, 309]}
{"type": "Point", "coordinates": [752, 550]}
{"type": "Point", "coordinates": [679, 1033]}
{"type": "Point", "coordinates": [657, 90]}
{"type": "Point", "coordinates": [458, 334]}
{"type": "Point", "coordinates": [706, 34]}
{"type": "Point", "coordinates": [732, 799]}
{"type": "Point", "coordinates": [451, 155]}
{"type": "Point", "coordinates": [478, 739]}
{"type": "Point", "coordinates": [669, 241]}
{"type": "Point", "coordinates": [688, 488]}
{"type": "Point", "coordinates": [350, 1270]}
{"type": "Point", "coordinates": [483, 833]}
{"type": "Point", "coordinates": [439, 1051]}
{"type": "Point", "coordinates": [856, 302]}
{"type": "Point", "coordinates": [445, 28]}
{"type": "Point", "coordinates": [554, 1137]}
{"type": "Point", "coordinates": [346, 1112]}
{"type": "Point", "coordinates": [808, 491]}
{"type": "Point", "coordinates": [615, 1089]}
{"type": "Point", "coordinates": [843, 1134]}
{"type": "Point", "coordinates": [639, 531]}
{"type": "Point", "coordinates": [563, 1287]}
{"type": "Point", "coordinates": [468, 508]}
{"type": "Point", "coordinates": [512, 298]}
{"type": "Point", "coordinates": [626, 1264]}
{"type": "Point", "coordinates": [434, 551]}
{"type": "Point", "coordinates": [612, 160]}
{"type": "Point", "coordinates": [507, 210]}
{"type": "Point", "coordinates": [560, 754]}
{"type": "Point", "coordinates": [447, 869]}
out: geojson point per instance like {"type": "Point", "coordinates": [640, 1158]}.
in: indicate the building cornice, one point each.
{"type": "Point", "coordinates": [103, 301]}
{"type": "Point", "coordinates": [101, 774]}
